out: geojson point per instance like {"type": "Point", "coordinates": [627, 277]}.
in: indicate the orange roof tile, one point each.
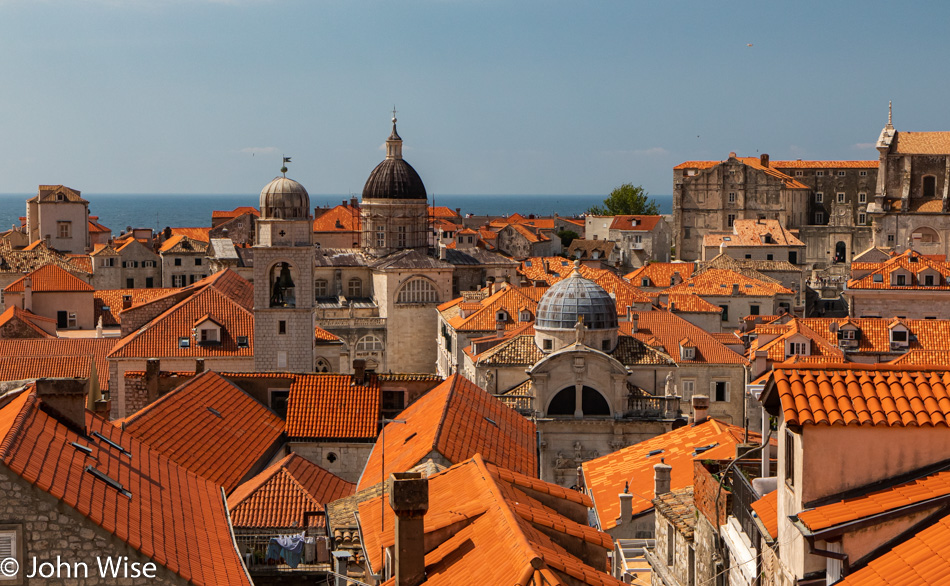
{"type": "Point", "coordinates": [27, 318]}
{"type": "Point", "coordinates": [442, 212]}
{"type": "Point", "coordinates": [339, 219]}
{"type": "Point", "coordinates": [766, 508]}
{"type": "Point", "coordinates": [109, 302]}
{"type": "Point", "coordinates": [507, 299]}
{"type": "Point", "coordinates": [921, 143]}
{"type": "Point", "coordinates": [670, 329]}
{"type": "Point", "coordinates": [324, 336]}
{"type": "Point", "coordinates": [799, 164]}
{"type": "Point", "coordinates": [660, 274]}
{"type": "Point", "coordinates": [552, 269]}
{"type": "Point", "coordinates": [921, 560]}
{"type": "Point", "coordinates": [184, 244]}
{"type": "Point", "coordinates": [821, 346]}
{"type": "Point", "coordinates": [166, 506]}
{"type": "Point", "coordinates": [82, 261]}
{"type": "Point", "coordinates": [161, 336]}
{"type": "Point", "coordinates": [279, 496]}
{"type": "Point", "coordinates": [862, 395]}
{"type": "Point", "coordinates": [501, 532]}
{"type": "Point", "coordinates": [528, 234]}
{"type": "Point", "coordinates": [911, 264]}
{"type": "Point", "coordinates": [50, 278]}
{"type": "Point", "coordinates": [96, 227]}
{"type": "Point", "coordinates": [333, 406]}
{"type": "Point", "coordinates": [210, 427]}
{"type": "Point", "coordinates": [637, 223]}
{"type": "Point", "coordinates": [52, 357]}
{"type": "Point", "coordinates": [457, 420]}
{"type": "Point", "coordinates": [238, 211]}
{"type": "Point", "coordinates": [605, 477]}
{"type": "Point", "coordinates": [753, 162]}
{"type": "Point", "coordinates": [689, 303]}
{"type": "Point", "coordinates": [195, 233]}
{"type": "Point", "coordinates": [722, 282]}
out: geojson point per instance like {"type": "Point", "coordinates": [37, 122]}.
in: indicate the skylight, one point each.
{"type": "Point", "coordinates": [98, 435]}
{"type": "Point", "coordinates": [105, 478]}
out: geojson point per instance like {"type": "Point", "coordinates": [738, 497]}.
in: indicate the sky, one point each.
{"type": "Point", "coordinates": [492, 97]}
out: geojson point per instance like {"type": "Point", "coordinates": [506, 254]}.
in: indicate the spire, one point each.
{"type": "Point", "coordinates": [890, 124]}
{"type": "Point", "coordinates": [394, 143]}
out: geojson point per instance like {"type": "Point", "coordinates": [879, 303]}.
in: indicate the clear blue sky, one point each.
{"type": "Point", "coordinates": [516, 97]}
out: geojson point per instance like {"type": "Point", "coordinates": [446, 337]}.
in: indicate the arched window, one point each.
{"type": "Point", "coordinates": [418, 290]}
{"type": "Point", "coordinates": [593, 404]}
{"type": "Point", "coordinates": [320, 288]}
{"type": "Point", "coordinates": [369, 343]}
{"type": "Point", "coordinates": [354, 288]}
{"type": "Point", "coordinates": [322, 365]}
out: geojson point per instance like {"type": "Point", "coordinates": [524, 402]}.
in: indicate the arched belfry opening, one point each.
{"type": "Point", "coordinates": [282, 285]}
{"type": "Point", "coordinates": [592, 403]}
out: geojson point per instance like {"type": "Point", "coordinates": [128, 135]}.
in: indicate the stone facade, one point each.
{"type": "Point", "coordinates": [51, 529]}
{"type": "Point", "coordinates": [126, 266]}
{"type": "Point", "coordinates": [283, 334]}
{"type": "Point", "coordinates": [59, 216]}
{"type": "Point", "coordinates": [345, 459]}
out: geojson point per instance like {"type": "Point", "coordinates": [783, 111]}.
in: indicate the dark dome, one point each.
{"type": "Point", "coordinates": [394, 179]}
{"type": "Point", "coordinates": [285, 199]}
{"type": "Point", "coordinates": [575, 296]}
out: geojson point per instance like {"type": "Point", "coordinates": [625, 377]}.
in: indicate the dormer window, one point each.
{"type": "Point", "coordinates": [878, 278]}
{"type": "Point", "coordinates": [644, 282]}
{"type": "Point", "coordinates": [243, 342]}
{"type": "Point", "coordinates": [501, 315]}
{"type": "Point", "coordinates": [797, 349]}
{"type": "Point", "coordinates": [899, 335]}
{"type": "Point", "coordinates": [524, 315]}
{"type": "Point", "coordinates": [207, 331]}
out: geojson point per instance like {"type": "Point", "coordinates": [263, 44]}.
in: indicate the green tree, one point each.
{"type": "Point", "coordinates": [567, 236]}
{"type": "Point", "coordinates": [628, 199]}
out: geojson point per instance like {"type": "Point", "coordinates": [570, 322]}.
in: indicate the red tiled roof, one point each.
{"type": "Point", "coordinates": [333, 406]}
{"type": "Point", "coordinates": [529, 234]}
{"type": "Point", "coordinates": [605, 477]}
{"type": "Point", "coordinates": [753, 162]}
{"type": "Point", "coordinates": [50, 278]}
{"type": "Point", "coordinates": [720, 282]}
{"type": "Point", "coordinates": [509, 299]}
{"type": "Point", "coordinates": [238, 211]}
{"type": "Point", "coordinates": [862, 395]}
{"type": "Point", "coordinates": [279, 496]}
{"type": "Point", "coordinates": [660, 274]}
{"type": "Point", "coordinates": [171, 516]}
{"type": "Point", "coordinates": [767, 510]}
{"type": "Point", "coordinates": [907, 262]}
{"type": "Point", "coordinates": [821, 347]}
{"type": "Point", "coordinates": [324, 336]}
{"type": "Point", "coordinates": [921, 560]}
{"type": "Point", "coordinates": [54, 357]}
{"type": "Point", "coordinates": [108, 302]}
{"type": "Point", "coordinates": [554, 268]}
{"type": "Point", "coordinates": [670, 329]}
{"type": "Point", "coordinates": [82, 262]}
{"type": "Point", "coordinates": [442, 212]}
{"type": "Point", "coordinates": [752, 233]}
{"type": "Point", "coordinates": [96, 227]}
{"type": "Point", "coordinates": [690, 303]}
{"type": "Point", "coordinates": [160, 337]}
{"type": "Point", "coordinates": [799, 164]}
{"type": "Point", "coordinates": [501, 533]}
{"type": "Point", "coordinates": [457, 420]}
{"type": "Point", "coordinates": [195, 233]}
{"type": "Point", "coordinates": [643, 223]}
{"type": "Point", "coordinates": [339, 219]}
{"type": "Point", "coordinates": [210, 427]}
{"type": "Point", "coordinates": [184, 244]}
{"type": "Point", "coordinates": [921, 143]}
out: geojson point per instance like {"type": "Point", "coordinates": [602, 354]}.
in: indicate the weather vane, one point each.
{"type": "Point", "coordinates": [283, 169]}
{"type": "Point", "coordinates": [394, 113]}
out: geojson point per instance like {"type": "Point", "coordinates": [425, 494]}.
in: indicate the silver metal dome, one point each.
{"type": "Point", "coordinates": [285, 199]}
{"type": "Point", "coordinates": [574, 297]}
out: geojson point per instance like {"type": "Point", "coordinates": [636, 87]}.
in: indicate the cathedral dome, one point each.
{"type": "Point", "coordinates": [394, 178]}
{"type": "Point", "coordinates": [573, 298]}
{"type": "Point", "coordinates": [284, 199]}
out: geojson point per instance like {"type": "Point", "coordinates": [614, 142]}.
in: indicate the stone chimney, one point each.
{"type": "Point", "coordinates": [152, 370]}
{"type": "Point", "coordinates": [700, 408]}
{"type": "Point", "coordinates": [760, 363]}
{"type": "Point", "coordinates": [490, 282]}
{"type": "Point", "coordinates": [735, 288]}
{"type": "Point", "coordinates": [65, 399]}
{"type": "Point", "coordinates": [626, 505]}
{"type": "Point", "coordinates": [359, 372]}
{"type": "Point", "coordinates": [199, 365]}
{"type": "Point", "coordinates": [661, 478]}
{"type": "Point", "coordinates": [764, 160]}
{"type": "Point", "coordinates": [634, 321]}
{"type": "Point", "coordinates": [409, 499]}
{"type": "Point", "coordinates": [28, 293]}
{"type": "Point", "coordinates": [353, 202]}
{"type": "Point", "coordinates": [499, 328]}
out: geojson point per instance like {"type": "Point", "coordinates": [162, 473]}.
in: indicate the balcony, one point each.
{"type": "Point", "coordinates": [253, 548]}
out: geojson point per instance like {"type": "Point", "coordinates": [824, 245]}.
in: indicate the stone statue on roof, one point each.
{"type": "Point", "coordinates": [579, 330]}
{"type": "Point", "coordinates": [669, 388]}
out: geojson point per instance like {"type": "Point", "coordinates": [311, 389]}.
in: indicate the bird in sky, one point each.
{"type": "Point", "coordinates": [748, 44]}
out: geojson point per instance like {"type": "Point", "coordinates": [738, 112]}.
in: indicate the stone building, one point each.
{"type": "Point", "coordinates": [522, 241]}
{"type": "Point", "coordinates": [60, 217]}
{"type": "Point", "coordinates": [54, 293]}
{"type": "Point", "coordinates": [125, 265]}
{"type": "Point", "coordinates": [755, 240]}
{"type": "Point", "coordinates": [909, 285]}
{"type": "Point", "coordinates": [184, 260]}
{"type": "Point", "coordinates": [639, 239]}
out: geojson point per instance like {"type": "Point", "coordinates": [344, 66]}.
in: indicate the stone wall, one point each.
{"type": "Point", "coordinates": [681, 547]}
{"type": "Point", "coordinates": [17, 328]}
{"type": "Point", "coordinates": [345, 459]}
{"type": "Point", "coordinates": [51, 528]}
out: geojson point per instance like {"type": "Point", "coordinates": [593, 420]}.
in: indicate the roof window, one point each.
{"type": "Point", "coordinates": [108, 480]}
{"type": "Point", "coordinates": [122, 450]}
{"type": "Point", "coordinates": [700, 449]}
{"type": "Point", "coordinates": [184, 342]}
{"type": "Point", "coordinates": [242, 342]}
{"type": "Point", "coordinates": [878, 278]}
{"type": "Point", "coordinates": [655, 453]}
{"type": "Point", "coordinates": [215, 412]}
{"type": "Point", "coordinates": [84, 449]}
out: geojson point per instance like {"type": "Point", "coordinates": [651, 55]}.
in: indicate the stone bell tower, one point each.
{"type": "Point", "coordinates": [283, 279]}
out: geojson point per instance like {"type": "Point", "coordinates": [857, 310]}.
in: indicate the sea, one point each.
{"type": "Point", "coordinates": [121, 211]}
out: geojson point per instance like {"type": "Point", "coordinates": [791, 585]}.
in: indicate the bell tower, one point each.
{"type": "Point", "coordinates": [283, 278]}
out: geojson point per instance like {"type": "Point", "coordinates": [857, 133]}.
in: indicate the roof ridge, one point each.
{"type": "Point", "coordinates": [259, 480]}
{"type": "Point", "coordinates": [16, 428]}
{"type": "Point", "coordinates": [445, 409]}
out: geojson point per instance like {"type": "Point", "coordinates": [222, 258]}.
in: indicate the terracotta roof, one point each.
{"type": "Point", "coordinates": [907, 262]}
{"type": "Point", "coordinates": [165, 507]}
{"type": "Point", "coordinates": [923, 357]}
{"type": "Point", "coordinates": [50, 193]}
{"type": "Point", "coordinates": [753, 162]}
{"type": "Point", "coordinates": [27, 318]}
{"type": "Point", "coordinates": [720, 283]}
{"type": "Point", "coordinates": [820, 346]}
{"type": "Point", "coordinates": [54, 357]}
{"type": "Point", "coordinates": [799, 164]}
{"type": "Point", "coordinates": [332, 406]}
{"type": "Point", "coordinates": [921, 143]}
{"type": "Point", "coordinates": [25, 261]}
{"type": "Point", "coordinates": [766, 508]}
{"type": "Point", "coordinates": [201, 234]}
{"type": "Point", "coordinates": [660, 274]}
{"type": "Point", "coordinates": [636, 223]}
{"type": "Point", "coordinates": [689, 303]}
{"type": "Point", "coordinates": [183, 244]}
{"type": "Point", "coordinates": [279, 496]}
{"type": "Point", "coordinates": [679, 508]}
{"type": "Point", "coordinates": [501, 533]}
{"type": "Point", "coordinates": [442, 212]}
{"type": "Point", "coordinates": [862, 395]}
{"type": "Point", "coordinates": [670, 329]}
{"type": "Point", "coordinates": [96, 227]}
{"type": "Point", "coordinates": [555, 268]}
{"type": "Point", "coordinates": [339, 219]}
{"type": "Point", "coordinates": [921, 560]}
{"type": "Point", "coordinates": [210, 427]}
{"type": "Point", "coordinates": [457, 420]}
{"type": "Point", "coordinates": [879, 501]}
{"type": "Point", "coordinates": [753, 233]}
{"type": "Point", "coordinates": [508, 299]}
{"type": "Point", "coordinates": [109, 302]}
{"type": "Point", "coordinates": [50, 278]}
{"type": "Point", "coordinates": [528, 234]}
{"type": "Point", "coordinates": [161, 336]}
{"type": "Point", "coordinates": [324, 336]}
{"type": "Point", "coordinates": [520, 350]}
{"type": "Point", "coordinates": [238, 211]}
{"type": "Point", "coordinates": [605, 477]}
{"type": "Point", "coordinates": [82, 262]}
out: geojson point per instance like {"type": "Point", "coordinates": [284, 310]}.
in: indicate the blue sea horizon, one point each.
{"type": "Point", "coordinates": [118, 211]}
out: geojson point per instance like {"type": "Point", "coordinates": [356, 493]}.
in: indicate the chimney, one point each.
{"type": "Point", "coordinates": [661, 478]}
{"type": "Point", "coordinates": [676, 279]}
{"type": "Point", "coordinates": [152, 370]}
{"type": "Point", "coordinates": [344, 203]}
{"type": "Point", "coordinates": [28, 293]}
{"type": "Point", "coordinates": [700, 408]}
{"type": "Point", "coordinates": [359, 372]}
{"type": "Point", "coordinates": [672, 306]}
{"type": "Point", "coordinates": [126, 302]}
{"type": "Point", "coordinates": [634, 321]}
{"type": "Point", "coordinates": [353, 202]}
{"type": "Point", "coordinates": [735, 288]}
{"type": "Point", "coordinates": [499, 327]}
{"type": "Point", "coordinates": [764, 160]}
{"type": "Point", "coordinates": [199, 365]}
{"type": "Point", "coordinates": [458, 212]}
{"type": "Point", "coordinates": [490, 282]}
{"type": "Point", "coordinates": [409, 499]}
{"type": "Point", "coordinates": [760, 363]}
{"type": "Point", "coordinates": [732, 155]}
{"type": "Point", "coordinates": [626, 505]}
{"type": "Point", "coordinates": [630, 314]}
{"type": "Point", "coordinates": [443, 252]}
{"type": "Point", "coordinates": [65, 399]}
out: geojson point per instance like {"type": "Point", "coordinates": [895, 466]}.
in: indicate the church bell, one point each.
{"type": "Point", "coordinates": [285, 281]}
